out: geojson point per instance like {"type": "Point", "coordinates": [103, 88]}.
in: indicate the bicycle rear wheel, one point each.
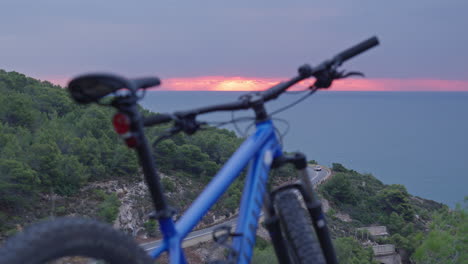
{"type": "Point", "coordinates": [66, 237]}
{"type": "Point", "coordinates": [298, 231]}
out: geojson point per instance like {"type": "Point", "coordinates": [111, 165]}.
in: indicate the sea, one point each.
{"type": "Point", "coordinates": [417, 139]}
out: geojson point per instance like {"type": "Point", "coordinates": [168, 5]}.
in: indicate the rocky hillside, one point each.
{"type": "Point", "coordinates": [58, 158]}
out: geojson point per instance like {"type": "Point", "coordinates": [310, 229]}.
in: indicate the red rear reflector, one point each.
{"type": "Point", "coordinates": [121, 123]}
{"type": "Point", "coordinates": [122, 126]}
{"type": "Point", "coordinates": [131, 142]}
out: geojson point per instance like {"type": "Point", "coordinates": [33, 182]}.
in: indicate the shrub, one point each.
{"type": "Point", "coordinates": [168, 185]}
{"type": "Point", "coordinates": [338, 167]}
{"type": "Point", "coordinates": [109, 208]}
{"type": "Point", "coordinates": [151, 227]}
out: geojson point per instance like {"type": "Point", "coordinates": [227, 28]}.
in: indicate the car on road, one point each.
{"type": "Point", "coordinates": [317, 168]}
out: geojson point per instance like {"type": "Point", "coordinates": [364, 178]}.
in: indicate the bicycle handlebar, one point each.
{"type": "Point", "coordinates": [237, 105]}
{"type": "Point", "coordinates": [165, 118]}
{"type": "Point", "coordinates": [305, 71]}
{"type": "Point", "coordinates": [157, 119]}
{"type": "Point", "coordinates": [357, 49]}
{"type": "Point", "coordinates": [146, 82]}
{"type": "Point", "coordinates": [275, 91]}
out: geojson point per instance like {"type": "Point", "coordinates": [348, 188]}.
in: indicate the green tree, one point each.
{"type": "Point", "coordinates": [209, 169]}
{"type": "Point", "coordinates": [51, 101]}
{"type": "Point", "coordinates": [164, 154]}
{"type": "Point", "coordinates": [394, 222]}
{"type": "Point", "coordinates": [72, 175]}
{"type": "Point", "coordinates": [151, 227]}
{"type": "Point", "coordinates": [339, 188]}
{"type": "Point", "coordinates": [395, 198]}
{"type": "Point", "coordinates": [349, 251]}
{"type": "Point", "coordinates": [190, 158]}
{"type": "Point", "coordinates": [337, 167]}
{"type": "Point", "coordinates": [11, 146]}
{"type": "Point", "coordinates": [45, 159]}
{"type": "Point", "coordinates": [16, 110]}
{"type": "Point", "coordinates": [18, 183]}
{"type": "Point", "coordinates": [264, 252]}
{"type": "Point", "coordinates": [109, 208]}
{"type": "Point", "coordinates": [168, 184]}
{"type": "Point", "coordinates": [447, 241]}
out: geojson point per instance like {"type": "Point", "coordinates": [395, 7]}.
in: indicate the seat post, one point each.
{"type": "Point", "coordinates": [128, 106]}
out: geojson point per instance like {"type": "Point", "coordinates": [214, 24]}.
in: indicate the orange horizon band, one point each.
{"type": "Point", "coordinates": [238, 83]}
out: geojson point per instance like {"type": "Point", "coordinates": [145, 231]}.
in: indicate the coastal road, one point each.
{"type": "Point", "coordinates": [205, 234]}
{"type": "Point", "coordinates": [318, 176]}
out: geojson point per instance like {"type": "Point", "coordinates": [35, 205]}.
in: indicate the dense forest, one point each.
{"type": "Point", "coordinates": [50, 145]}
{"type": "Point", "coordinates": [369, 202]}
{"type": "Point", "coordinates": [423, 231]}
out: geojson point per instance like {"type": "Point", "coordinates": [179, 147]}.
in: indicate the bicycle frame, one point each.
{"type": "Point", "coordinates": [259, 149]}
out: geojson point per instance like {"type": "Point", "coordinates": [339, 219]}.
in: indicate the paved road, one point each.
{"type": "Point", "coordinates": [205, 234]}
{"type": "Point", "coordinates": [317, 176]}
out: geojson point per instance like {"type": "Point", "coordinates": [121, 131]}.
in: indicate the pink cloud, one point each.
{"type": "Point", "coordinates": [218, 83]}
{"type": "Point", "coordinates": [58, 80]}
{"type": "Point", "coordinates": [221, 83]}
{"type": "Point", "coordinates": [238, 83]}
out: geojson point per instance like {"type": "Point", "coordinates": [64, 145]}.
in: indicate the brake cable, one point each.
{"type": "Point", "coordinates": [294, 103]}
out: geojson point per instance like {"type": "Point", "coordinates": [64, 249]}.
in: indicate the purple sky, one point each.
{"type": "Point", "coordinates": [58, 39]}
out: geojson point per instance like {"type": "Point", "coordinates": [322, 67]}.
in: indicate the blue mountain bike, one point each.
{"type": "Point", "coordinates": [292, 213]}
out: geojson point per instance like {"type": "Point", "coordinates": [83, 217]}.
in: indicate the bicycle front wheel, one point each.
{"type": "Point", "coordinates": [72, 240]}
{"type": "Point", "coordinates": [298, 231]}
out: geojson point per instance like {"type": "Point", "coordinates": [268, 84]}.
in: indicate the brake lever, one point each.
{"type": "Point", "coordinates": [326, 78]}
{"type": "Point", "coordinates": [188, 124]}
{"type": "Point", "coordinates": [343, 75]}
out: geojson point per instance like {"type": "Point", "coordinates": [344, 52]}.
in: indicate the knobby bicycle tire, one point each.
{"type": "Point", "coordinates": [298, 232]}
{"type": "Point", "coordinates": [62, 237]}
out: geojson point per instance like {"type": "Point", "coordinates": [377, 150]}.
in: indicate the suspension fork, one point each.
{"type": "Point", "coordinates": [313, 204]}
{"type": "Point", "coordinates": [272, 224]}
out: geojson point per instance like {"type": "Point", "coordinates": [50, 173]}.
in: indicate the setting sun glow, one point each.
{"type": "Point", "coordinates": [221, 83]}
{"type": "Point", "coordinates": [238, 83]}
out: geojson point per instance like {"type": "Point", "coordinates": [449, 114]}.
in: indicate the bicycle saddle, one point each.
{"type": "Point", "coordinates": [90, 88]}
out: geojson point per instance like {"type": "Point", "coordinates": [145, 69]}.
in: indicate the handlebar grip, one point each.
{"type": "Point", "coordinates": [357, 49]}
{"type": "Point", "coordinates": [156, 119]}
{"type": "Point", "coordinates": [146, 82]}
